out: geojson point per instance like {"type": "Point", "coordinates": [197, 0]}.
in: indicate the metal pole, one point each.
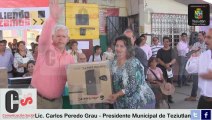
{"type": "Point", "coordinates": [1, 34]}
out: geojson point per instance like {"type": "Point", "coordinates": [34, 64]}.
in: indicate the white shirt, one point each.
{"type": "Point", "coordinates": [18, 59]}
{"type": "Point", "coordinates": [108, 55]}
{"type": "Point", "coordinates": [204, 64]}
{"type": "Point", "coordinates": [96, 58]}
{"type": "Point", "coordinates": [182, 48]}
{"type": "Point", "coordinates": [147, 49]}
{"type": "Point", "coordinates": [191, 65]}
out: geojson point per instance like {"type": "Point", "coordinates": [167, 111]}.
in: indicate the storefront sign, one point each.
{"type": "Point", "coordinates": [23, 14]}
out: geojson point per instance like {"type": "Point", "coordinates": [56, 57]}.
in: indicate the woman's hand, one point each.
{"type": "Point", "coordinates": [25, 65]}
{"type": "Point", "coordinates": [161, 82]}
{"type": "Point", "coordinates": [22, 65]}
{"type": "Point", "coordinates": [112, 98]}
{"type": "Point", "coordinates": [157, 82]}
{"type": "Point", "coordinates": [167, 66]}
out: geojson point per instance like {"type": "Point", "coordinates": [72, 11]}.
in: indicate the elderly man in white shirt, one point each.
{"type": "Point", "coordinates": [199, 47]}
{"type": "Point", "coordinates": [193, 61]}
{"type": "Point", "coordinates": [204, 68]}
{"type": "Point", "coordinates": [182, 48]}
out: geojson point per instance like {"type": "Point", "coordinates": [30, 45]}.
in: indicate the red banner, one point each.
{"type": "Point", "coordinates": [23, 3]}
{"type": "Point", "coordinates": [112, 12]}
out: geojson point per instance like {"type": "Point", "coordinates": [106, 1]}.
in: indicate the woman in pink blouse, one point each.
{"type": "Point", "coordinates": [155, 77]}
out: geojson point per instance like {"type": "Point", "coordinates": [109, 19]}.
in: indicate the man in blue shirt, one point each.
{"type": "Point", "coordinates": [6, 58]}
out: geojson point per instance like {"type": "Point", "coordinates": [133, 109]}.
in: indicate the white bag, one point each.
{"type": "Point", "coordinates": [170, 73]}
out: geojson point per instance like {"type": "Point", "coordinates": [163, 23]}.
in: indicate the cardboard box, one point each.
{"type": "Point", "coordinates": [89, 82]}
{"type": "Point", "coordinates": [3, 77]}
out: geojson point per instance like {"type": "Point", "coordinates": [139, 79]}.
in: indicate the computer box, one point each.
{"type": "Point", "coordinates": [92, 82]}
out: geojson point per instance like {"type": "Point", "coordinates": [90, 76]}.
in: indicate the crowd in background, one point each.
{"type": "Point", "coordinates": [155, 59]}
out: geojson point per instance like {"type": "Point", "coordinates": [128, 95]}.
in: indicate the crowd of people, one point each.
{"type": "Point", "coordinates": [142, 75]}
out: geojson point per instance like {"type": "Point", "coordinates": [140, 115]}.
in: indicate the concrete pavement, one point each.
{"type": "Point", "coordinates": [179, 96]}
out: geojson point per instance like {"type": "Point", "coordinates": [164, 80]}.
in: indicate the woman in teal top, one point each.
{"type": "Point", "coordinates": [130, 90]}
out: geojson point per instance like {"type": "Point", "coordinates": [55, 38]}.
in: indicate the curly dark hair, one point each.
{"type": "Point", "coordinates": [139, 40]}
{"type": "Point", "coordinates": [128, 45]}
{"type": "Point", "coordinates": [20, 42]}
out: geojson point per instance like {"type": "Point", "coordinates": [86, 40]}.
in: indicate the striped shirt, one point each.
{"type": "Point", "coordinates": [155, 49]}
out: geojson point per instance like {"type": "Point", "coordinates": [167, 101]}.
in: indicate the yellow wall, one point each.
{"type": "Point", "coordinates": [92, 27]}
{"type": "Point", "coordinates": [121, 4]}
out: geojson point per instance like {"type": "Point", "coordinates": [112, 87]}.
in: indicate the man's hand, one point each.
{"type": "Point", "coordinates": [207, 76]}
{"type": "Point", "coordinates": [55, 10]}
{"type": "Point", "coordinates": [167, 66]}
{"type": "Point", "coordinates": [196, 54]}
{"type": "Point", "coordinates": [196, 48]}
